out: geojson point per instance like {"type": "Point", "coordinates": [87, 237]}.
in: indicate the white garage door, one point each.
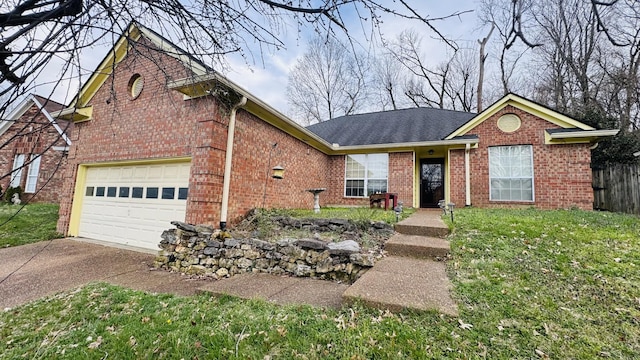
{"type": "Point", "coordinates": [133, 204]}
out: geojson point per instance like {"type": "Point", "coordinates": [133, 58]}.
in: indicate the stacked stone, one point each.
{"type": "Point", "coordinates": [201, 250]}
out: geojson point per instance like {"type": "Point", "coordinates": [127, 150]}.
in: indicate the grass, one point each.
{"type": "Point", "coordinates": [33, 223]}
{"type": "Point", "coordinates": [260, 224]}
{"type": "Point", "coordinates": [353, 213]}
{"type": "Point", "coordinates": [529, 284]}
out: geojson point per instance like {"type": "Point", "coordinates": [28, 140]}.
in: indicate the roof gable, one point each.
{"type": "Point", "coordinates": [120, 51]}
{"type": "Point", "coordinates": [523, 104]}
{"type": "Point", "coordinates": [45, 106]}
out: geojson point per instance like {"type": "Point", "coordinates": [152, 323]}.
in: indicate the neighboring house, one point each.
{"type": "Point", "coordinates": [159, 137]}
{"type": "Point", "coordinates": [33, 148]}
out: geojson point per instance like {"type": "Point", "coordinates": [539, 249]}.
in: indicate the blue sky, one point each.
{"type": "Point", "coordinates": [265, 73]}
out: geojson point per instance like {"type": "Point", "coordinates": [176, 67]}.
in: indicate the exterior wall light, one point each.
{"type": "Point", "coordinates": [277, 172]}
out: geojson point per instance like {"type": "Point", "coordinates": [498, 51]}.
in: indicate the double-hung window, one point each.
{"type": "Point", "coordinates": [511, 173]}
{"type": "Point", "coordinates": [32, 174]}
{"type": "Point", "coordinates": [16, 171]}
{"type": "Point", "coordinates": [366, 174]}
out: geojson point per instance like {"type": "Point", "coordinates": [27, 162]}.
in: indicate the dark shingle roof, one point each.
{"type": "Point", "coordinates": [389, 127]}
{"type": "Point", "coordinates": [49, 105]}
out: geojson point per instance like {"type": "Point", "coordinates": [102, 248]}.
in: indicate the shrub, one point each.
{"type": "Point", "coordinates": [10, 192]}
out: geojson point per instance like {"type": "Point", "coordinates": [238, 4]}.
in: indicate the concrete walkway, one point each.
{"type": "Point", "coordinates": [411, 277]}
{"type": "Point", "coordinates": [32, 271]}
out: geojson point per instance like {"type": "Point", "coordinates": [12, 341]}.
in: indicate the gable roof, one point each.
{"type": "Point", "coordinates": [393, 126]}
{"type": "Point", "coordinates": [526, 105]}
{"type": "Point", "coordinates": [424, 125]}
{"type": "Point", "coordinates": [46, 107]}
{"type": "Point", "coordinates": [78, 110]}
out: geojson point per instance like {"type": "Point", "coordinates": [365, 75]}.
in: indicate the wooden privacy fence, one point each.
{"type": "Point", "coordinates": [617, 188]}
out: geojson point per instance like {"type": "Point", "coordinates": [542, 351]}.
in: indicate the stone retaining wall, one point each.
{"type": "Point", "coordinates": [199, 250]}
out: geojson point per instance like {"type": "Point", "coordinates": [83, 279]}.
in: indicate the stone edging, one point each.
{"type": "Point", "coordinates": [201, 250]}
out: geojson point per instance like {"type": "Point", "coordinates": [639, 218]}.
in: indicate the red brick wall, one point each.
{"type": "Point", "coordinates": [562, 174]}
{"type": "Point", "coordinates": [401, 172]}
{"type": "Point", "coordinates": [305, 168]}
{"type": "Point", "coordinates": [34, 134]}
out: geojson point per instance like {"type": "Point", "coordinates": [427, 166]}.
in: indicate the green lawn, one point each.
{"type": "Point", "coordinates": [28, 224]}
{"type": "Point", "coordinates": [351, 213]}
{"type": "Point", "coordinates": [530, 285]}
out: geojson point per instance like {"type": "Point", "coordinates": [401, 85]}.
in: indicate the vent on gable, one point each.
{"type": "Point", "coordinates": [136, 83]}
{"type": "Point", "coordinates": [509, 123]}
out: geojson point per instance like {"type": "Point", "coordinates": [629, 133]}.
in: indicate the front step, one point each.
{"type": "Point", "coordinates": [423, 224]}
{"type": "Point", "coordinates": [398, 283]}
{"type": "Point", "coordinates": [417, 246]}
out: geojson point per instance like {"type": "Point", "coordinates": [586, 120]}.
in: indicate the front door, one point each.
{"type": "Point", "coordinates": [431, 182]}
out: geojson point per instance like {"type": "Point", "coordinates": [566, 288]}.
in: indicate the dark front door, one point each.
{"type": "Point", "coordinates": [431, 182]}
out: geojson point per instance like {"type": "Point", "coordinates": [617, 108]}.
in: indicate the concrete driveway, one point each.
{"type": "Point", "coordinates": [32, 271]}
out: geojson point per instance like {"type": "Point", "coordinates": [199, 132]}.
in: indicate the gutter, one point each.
{"type": "Point", "coordinates": [227, 163]}
{"type": "Point", "coordinates": [471, 141]}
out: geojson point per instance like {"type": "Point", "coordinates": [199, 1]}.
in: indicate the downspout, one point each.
{"type": "Point", "coordinates": [467, 175]}
{"type": "Point", "coordinates": [227, 163]}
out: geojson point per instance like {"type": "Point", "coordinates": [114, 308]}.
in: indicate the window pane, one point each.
{"type": "Point", "coordinates": [354, 188]}
{"type": "Point", "coordinates": [511, 173]}
{"type": "Point", "coordinates": [168, 193]}
{"type": "Point", "coordinates": [32, 174]}
{"type": "Point", "coordinates": [152, 193]}
{"type": "Point", "coordinates": [366, 174]}
{"type": "Point", "coordinates": [89, 191]}
{"type": "Point", "coordinates": [111, 191]}
{"type": "Point", "coordinates": [124, 192]}
{"type": "Point", "coordinates": [100, 191]}
{"type": "Point", "coordinates": [16, 172]}
{"type": "Point", "coordinates": [355, 166]}
{"type": "Point", "coordinates": [183, 193]}
{"type": "Point", "coordinates": [376, 186]}
{"type": "Point", "coordinates": [136, 192]}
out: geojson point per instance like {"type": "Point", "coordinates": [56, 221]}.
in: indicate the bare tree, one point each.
{"type": "Point", "coordinates": [327, 81]}
{"type": "Point", "coordinates": [481, 62]}
{"type": "Point", "coordinates": [447, 85]}
{"type": "Point", "coordinates": [497, 14]}
{"type": "Point", "coordinates": [36, 31]}
{"type": "Point", "coordinates": [388, 78]}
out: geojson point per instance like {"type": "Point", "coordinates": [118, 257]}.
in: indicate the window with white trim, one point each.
{"type": "Point", "coordinates": [366, 174]}
{"type": "Point", "coordinates": [511, 173]}
{"type": "Point", "coordinates": [32, 174]}
{"type": "Point", "coordinates": [16, 171]}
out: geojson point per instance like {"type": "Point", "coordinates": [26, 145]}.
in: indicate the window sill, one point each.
{"type": "Point", "coordinates": [517, 202]}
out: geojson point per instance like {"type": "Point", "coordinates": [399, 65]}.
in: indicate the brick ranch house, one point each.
{"type": "Point", "coordinates": [162, 137]}
{"type": "Point", "coordinates": [33, 148]}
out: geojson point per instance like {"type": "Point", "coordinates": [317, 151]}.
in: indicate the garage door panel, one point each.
{"type": "Point", "coordinates": [133, 217]}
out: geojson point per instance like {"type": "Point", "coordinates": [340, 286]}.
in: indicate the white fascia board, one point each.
{"type": "Point", "coordinates": [16, 113]}
{"type": "Point", "coordinates": [583, 134]}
